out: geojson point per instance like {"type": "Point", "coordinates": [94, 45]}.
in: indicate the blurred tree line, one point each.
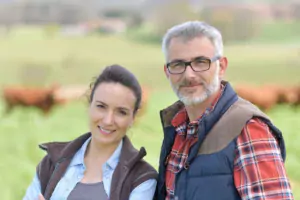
{"type": "Point", "coordinates": [236, 23]}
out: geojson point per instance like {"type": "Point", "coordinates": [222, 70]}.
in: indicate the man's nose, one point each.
{"type": "Point", "coordinates": [189, 72]}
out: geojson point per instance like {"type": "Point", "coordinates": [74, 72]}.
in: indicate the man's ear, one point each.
{"type": "Point", "coordinates": [166, 71]}
{"type": "Point", "coordinates": [223, 66]}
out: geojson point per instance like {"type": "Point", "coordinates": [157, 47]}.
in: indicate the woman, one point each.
{"type": "Point", "coordinates": [101, 164]}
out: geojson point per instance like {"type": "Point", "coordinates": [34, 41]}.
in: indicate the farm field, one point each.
{"type": "Point", "coordinates": [69, 61]}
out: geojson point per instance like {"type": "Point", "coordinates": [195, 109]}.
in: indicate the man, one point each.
{"type": "Point", "coordinates": [216, 145]}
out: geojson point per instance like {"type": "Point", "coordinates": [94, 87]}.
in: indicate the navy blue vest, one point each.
{"type": "Point", "coordinates": [205, 176]}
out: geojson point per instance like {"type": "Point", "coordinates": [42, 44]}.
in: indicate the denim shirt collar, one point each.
{"type": "Point", "coordinates": [112, 162]}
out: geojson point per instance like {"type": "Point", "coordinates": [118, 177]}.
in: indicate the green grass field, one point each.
{"type": "Point", "coordinates": [77, 60]}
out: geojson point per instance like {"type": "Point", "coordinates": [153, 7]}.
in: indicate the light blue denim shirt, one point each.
{"type": "Point", "coordinates": [75, 172]}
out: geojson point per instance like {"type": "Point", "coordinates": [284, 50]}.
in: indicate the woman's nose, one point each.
{"type": "Point", "coordinates": [108, 119]}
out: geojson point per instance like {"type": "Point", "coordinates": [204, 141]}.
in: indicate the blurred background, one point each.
{"type": "Point", "coordinates": [50, 51]}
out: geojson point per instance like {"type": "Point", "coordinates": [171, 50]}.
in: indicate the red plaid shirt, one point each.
{"type": "Point", "coordinates": [185, 138]}
{"type": "Point", "coordinates": [258, 167]}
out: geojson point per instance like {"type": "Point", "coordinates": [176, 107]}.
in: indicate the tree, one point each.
{"type": "Point", "coordinates": [170, 14]}
{"type": "Point", "coordinates": [295, 7]}
{"type": "Point", "coordinates": [234, 23]}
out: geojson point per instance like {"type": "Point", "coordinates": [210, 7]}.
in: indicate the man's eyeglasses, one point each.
{"type": "Point", "coordinates": [198, 64]}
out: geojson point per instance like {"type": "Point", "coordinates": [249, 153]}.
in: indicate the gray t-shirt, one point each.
{"type": "Point", "coordinates": [88, 191]}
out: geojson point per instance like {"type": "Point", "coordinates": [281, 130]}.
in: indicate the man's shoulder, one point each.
{"type": "Point", "coordinates": [244, 107]}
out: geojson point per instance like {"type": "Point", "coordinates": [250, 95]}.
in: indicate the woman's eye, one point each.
{"type": "Point", "coordinates": [100, 106]}
{"type": "Point", "coordinates": [123, 112]}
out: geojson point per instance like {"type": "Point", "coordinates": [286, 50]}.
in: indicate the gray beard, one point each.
{"type": "Point", "coordinates": [208, 91]}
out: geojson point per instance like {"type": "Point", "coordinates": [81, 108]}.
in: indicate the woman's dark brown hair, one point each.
{"type": "Point", "coordinates": [118, 74]}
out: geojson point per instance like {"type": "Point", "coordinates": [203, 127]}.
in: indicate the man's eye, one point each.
{"type": "Point", "coordinates": [177, 64]}
{"type": "Point", "coordinates": [201, 61]}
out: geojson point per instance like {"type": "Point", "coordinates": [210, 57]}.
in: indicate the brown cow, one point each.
{"type": "Point", "coordinates": [145, 100]}
{"type": "Point", "coordinates": [297, 92]}
{"type": "Point", "coordinates": [262, 97]}
{"type": "Point", "coordinates": [269, 95]}
{"type": "Point", "coordinates": [285, 94]}
{"type": "Point", "coordinates": [41, 98]}
{"type": "Point", "coordinates": [70, 93]}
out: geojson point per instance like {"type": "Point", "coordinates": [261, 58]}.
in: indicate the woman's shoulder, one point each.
{"type": "Point", "coordinates": [141, 172]}
{"type": "Point", "coordinates": [134, 157]}
{"type": "Point", "coordinates": [145, 166]}
{"type": "Point", "coordinates": [56, 149]}
{"type": "Point", "coordinates": [134, 160]}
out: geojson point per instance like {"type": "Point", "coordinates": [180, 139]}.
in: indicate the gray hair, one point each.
{"type": "Point", "coordinates": [191, 29]}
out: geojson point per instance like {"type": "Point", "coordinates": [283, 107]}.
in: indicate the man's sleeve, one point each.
{"type": "Point", "coordinates": [259, 171]}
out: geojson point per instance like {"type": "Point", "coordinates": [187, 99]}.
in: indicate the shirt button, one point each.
{"type": "Point", "coordinates": [186, 165]}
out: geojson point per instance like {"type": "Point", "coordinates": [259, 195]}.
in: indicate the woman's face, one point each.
{"type": "Point", "coordinates": [111, 112]}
